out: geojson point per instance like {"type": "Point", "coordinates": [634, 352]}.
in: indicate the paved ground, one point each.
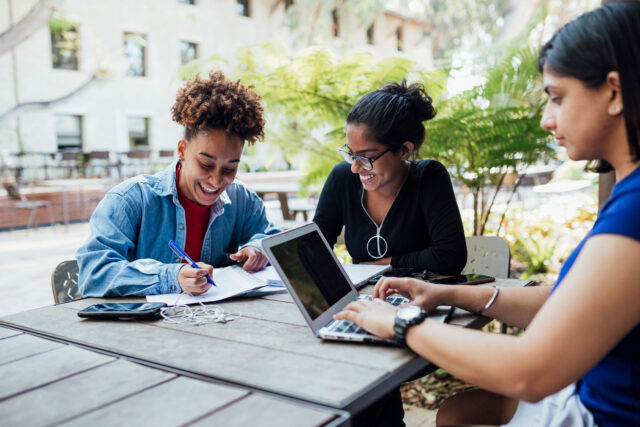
{"type": "Point", "coordinates": [419, 417]}
{"type": "Point", "coordinates": [27, 259]}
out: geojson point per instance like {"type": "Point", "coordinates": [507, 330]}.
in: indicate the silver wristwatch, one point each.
{"type": "Point", "coordinates": [405, 317]}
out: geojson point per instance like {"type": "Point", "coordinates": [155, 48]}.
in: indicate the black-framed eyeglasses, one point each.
{"type": "Point", "coordinates": [365, 163]}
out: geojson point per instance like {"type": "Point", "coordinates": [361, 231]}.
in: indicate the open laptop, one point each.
{"type": "Point", "coordinates": [318, 283]}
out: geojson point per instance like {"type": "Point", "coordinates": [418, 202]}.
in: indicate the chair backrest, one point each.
{"type": "Point", "coordinates": [98, 155]}
{"type": "Point", "coordinates": [70, 155]}
{"type": "Point", "coordinates": [64, 282]}
{"type": "Point", "coordinates": [13, 191]}
{"type": "Point", "coordinates": [488, 255]}
{"type": "Point", "coordinates": [139, 154]}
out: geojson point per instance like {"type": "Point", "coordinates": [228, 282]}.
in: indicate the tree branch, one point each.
{"type": "Point", "coordinates": [504, 214]}
{"type": "Point", "coordinates": [37, 17]}
{"type": "Point", "coordinates": [44, 104]}
{"type": "Point", "coordinates": [275, 6]}
{"type": "Point", "coordinates": [485, 215]}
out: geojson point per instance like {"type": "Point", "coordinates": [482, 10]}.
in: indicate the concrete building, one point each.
{"type": "Point", "coordinates": [137, 47]}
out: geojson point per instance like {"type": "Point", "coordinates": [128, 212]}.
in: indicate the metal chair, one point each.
{"type": "Point", "coordinates": [100, 164]}
{"type": "Point", "coordinates": [139, 161]}
{"type": "Point", "coordinates": [488, 255]}
{"type": "Point", "coordinates": [72, 160]}
{"type": "Point", "coordinates": [64, 282]}
{"type": "Point", "coordinates": [163, 159]}
{"type": "Point", "coordinates": [20, 202]}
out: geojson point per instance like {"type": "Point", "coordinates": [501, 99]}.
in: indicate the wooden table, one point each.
{"type": "Point", "coordinates": [280, 189]}
{"type": "Point", "coordinates": [46, 382]}
{"type": "Point", "coordinates": [282, 184]}
{"type": "Point", "coordinates": [269, 348]}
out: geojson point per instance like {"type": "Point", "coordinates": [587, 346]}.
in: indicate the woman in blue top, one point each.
{"type": "Point", "coordinates": [194, 202]}
{"type": "Point", "coordinates": [578, 361]}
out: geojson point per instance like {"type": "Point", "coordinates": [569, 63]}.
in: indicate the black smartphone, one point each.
{"type": "Point", "coordinates": [122, 310]}
{"type": "Point", "coordinates": [402, 272]}
{"type": "Point", "coordinates": [398, 272]}
{"type": "Point", "coordinates": [464, 279]}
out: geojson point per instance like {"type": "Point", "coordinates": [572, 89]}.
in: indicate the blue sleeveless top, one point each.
{"type": "Point", "coordinates": [611, 389]}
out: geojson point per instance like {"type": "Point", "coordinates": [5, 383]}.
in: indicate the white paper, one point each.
{"type": "Point", "coordinates": [264, 291]}
{"type": "Point", "coordinates": [230, 281]}
{"type": "Point", "coordinates": [233, 280]}
{"type": "Point", "coordinates": [269, 275]}
{"type": "Point", "coordinates": [360, 273]}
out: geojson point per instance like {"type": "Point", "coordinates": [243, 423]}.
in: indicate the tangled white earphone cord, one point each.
{"type": "Point", "coordinates": [183, 314]}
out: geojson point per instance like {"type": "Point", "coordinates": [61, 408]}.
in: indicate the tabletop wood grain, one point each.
{"type": "Point", "coordinates": [48, 382]}
{"type": "Point", "coordinates": [268, 348]}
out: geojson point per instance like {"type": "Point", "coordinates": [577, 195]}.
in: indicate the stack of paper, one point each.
{"type": "Point", "coordinates": [233, 281]}
{"type": "Point", "coordinates": [230, 281]}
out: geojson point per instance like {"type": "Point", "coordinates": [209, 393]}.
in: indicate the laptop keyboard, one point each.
{"type": "Point", "coordinates": [348, 327]}
{"type": "Point", "coordinates": [391, 300]}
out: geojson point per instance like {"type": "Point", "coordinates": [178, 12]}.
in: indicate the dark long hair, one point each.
{"type": "Point", "coordinates": [594, 44]}
{"type": "Point", "coordinates": [394, 114]}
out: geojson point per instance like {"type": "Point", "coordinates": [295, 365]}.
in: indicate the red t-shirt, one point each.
{"type": "Point", "coordinates": [197, 220]}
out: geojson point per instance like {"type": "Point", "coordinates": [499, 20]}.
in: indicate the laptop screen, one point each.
{"type": "Point", "coordinates": [312, 271]}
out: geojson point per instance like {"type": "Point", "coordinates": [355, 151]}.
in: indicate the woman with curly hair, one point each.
{"type": "Point", "coordinates": [194, 202]}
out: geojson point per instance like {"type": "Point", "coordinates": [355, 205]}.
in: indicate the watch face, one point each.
{"type": "Point", "coordinates": [409, 312]}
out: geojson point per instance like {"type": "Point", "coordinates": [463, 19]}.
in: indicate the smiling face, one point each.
{"type": "Point", "coordinates": [585, 121]}
{"type": "Point", "coordinates": [209, 164]}
{"type": "Point", "coordinates": [389, 171]}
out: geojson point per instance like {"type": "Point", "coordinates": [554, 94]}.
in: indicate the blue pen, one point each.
{"type": "Point", "coordinates": [183, 255]}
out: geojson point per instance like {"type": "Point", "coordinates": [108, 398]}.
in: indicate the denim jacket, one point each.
{"type": "Point", "coordinates": [128, 253]}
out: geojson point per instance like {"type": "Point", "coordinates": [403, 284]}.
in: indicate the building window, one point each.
{"type": "Point", "coordinates": [242, 8]}
{"type": "Point", "coordinates": [188, 52]}
{"type": "Point", "coordinates": [335, 25]}
{"type": "Point", "coordinates": [370, 31]}
{"type": "Point", "coordinates": [134, 54]}
{"type": "Point", "coordinates": [187, 1]}
{"type": "Point", "coordinates": [399, 45]}
{"type": "Point", "coordinates": [138, 132]}
{"type": "Point", "coordinates": [68, 131]}
{"type": "Point", "coordinates": [64, 45]}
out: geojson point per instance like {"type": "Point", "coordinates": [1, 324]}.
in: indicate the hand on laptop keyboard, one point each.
{"type": "Point", "coordinates": [393, 300]}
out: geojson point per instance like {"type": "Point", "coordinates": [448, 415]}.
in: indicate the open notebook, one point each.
{"type": "Point", "coordinates": [233, 281]}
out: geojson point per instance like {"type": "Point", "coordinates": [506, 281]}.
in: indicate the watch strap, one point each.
{"type": "Point", "coordinates": [400, 326]}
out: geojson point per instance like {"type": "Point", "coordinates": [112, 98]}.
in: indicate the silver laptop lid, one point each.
{"type": "Point", "coordinates": [311, 272]}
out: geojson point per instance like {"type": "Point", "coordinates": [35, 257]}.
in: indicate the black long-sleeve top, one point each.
{"type": "Point", "coordinates": [422, 228]}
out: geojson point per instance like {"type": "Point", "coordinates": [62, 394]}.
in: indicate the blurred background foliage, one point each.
{"type": "Point", "coordinates": [487, 134]}
{"type": "Point", "coordinates": [482, 134]}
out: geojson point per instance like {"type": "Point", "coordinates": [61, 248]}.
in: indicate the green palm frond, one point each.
{"type": "Point", "coordinates": [480, 134]}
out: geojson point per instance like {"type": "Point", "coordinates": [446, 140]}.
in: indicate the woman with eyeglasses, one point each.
{"type": "Point", "coordinates": [394, 210]}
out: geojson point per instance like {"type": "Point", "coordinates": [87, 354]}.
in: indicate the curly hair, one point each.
{"type": "Point", "coordinates": [219, 103]}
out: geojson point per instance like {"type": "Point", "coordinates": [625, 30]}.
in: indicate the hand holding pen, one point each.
{"type": "Point", "coordinates": [194, 278]}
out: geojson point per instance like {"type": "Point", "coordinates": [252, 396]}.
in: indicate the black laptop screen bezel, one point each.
{"type": "Point", "coordinates": [351, 294]}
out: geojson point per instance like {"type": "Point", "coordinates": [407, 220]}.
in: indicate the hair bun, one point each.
{"type": "Point", "coordinates": [416, 96]}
